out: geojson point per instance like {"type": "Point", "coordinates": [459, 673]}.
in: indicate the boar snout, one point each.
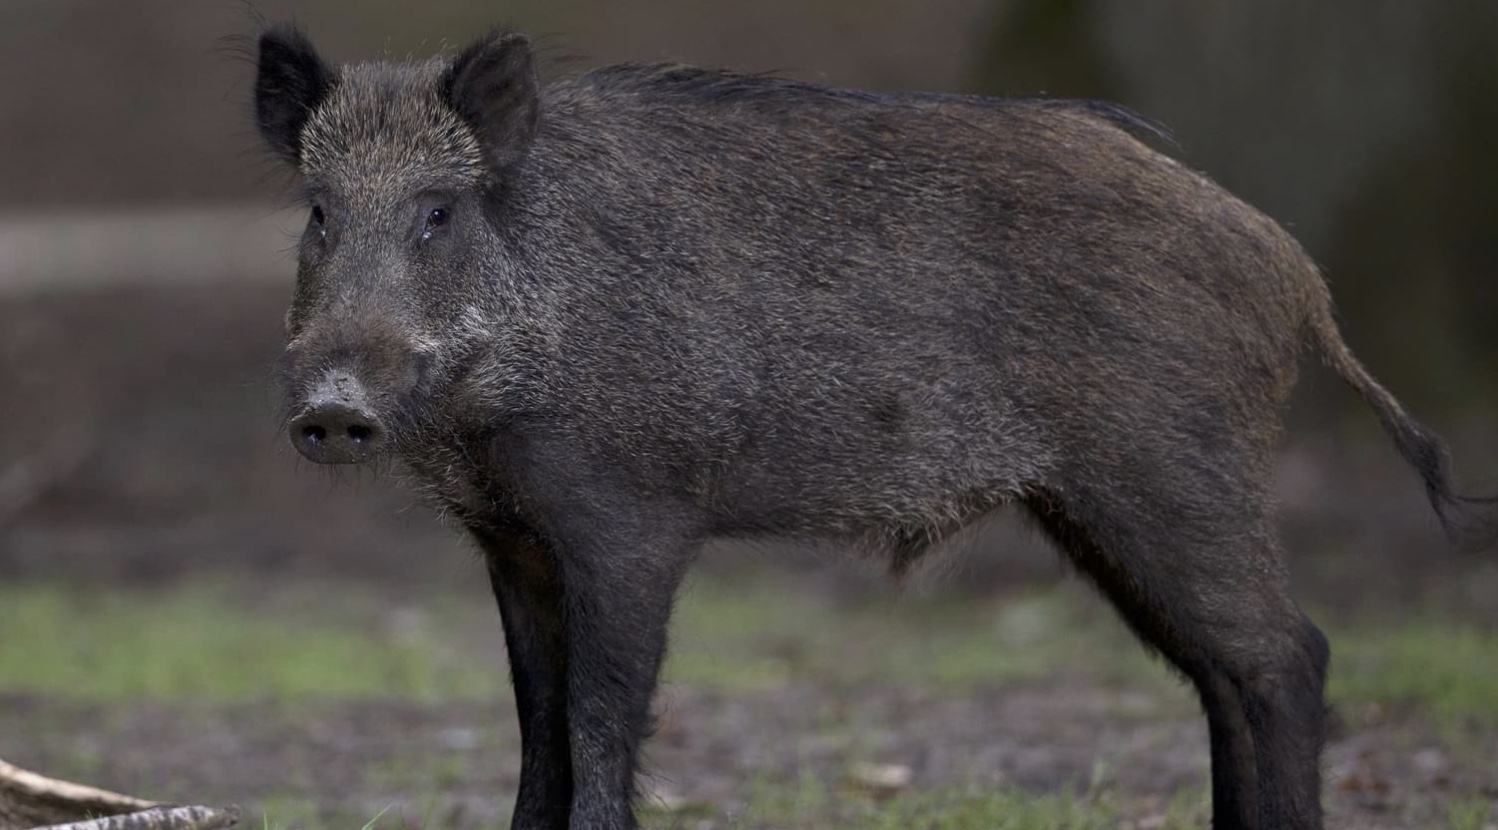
{"type": "Point", "coordinates": [336, 425]}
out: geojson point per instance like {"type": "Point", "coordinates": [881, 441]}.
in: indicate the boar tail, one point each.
{"type": "Point", "coordinates": [1470, 522]}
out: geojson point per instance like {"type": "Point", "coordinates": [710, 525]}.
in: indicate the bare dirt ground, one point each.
{"type": "Point", "coordinates": [457, 765]}
{"type": "Point", "coordinates": [138, 445]}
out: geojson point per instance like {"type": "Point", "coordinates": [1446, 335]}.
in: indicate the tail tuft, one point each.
{"type": "Point", "coordinates": [1470, 522]}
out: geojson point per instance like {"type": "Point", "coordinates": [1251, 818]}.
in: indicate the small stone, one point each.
{"type": "Point", "coordinates": [882, 776]}
{"type": "Point", "coordinates": [1432, 766]}
{"type": "Point", "coordinates": [460, 738]}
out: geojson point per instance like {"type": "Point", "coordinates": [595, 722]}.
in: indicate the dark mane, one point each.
{"type": "Point", "coordinates": [1116, 114]}
{"type": "Point", "coordinates": [721, 86]}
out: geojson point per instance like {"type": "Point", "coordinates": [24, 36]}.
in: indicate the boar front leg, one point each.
{"type": "Point", "coordinates": [617, 599]}
{"type": "Point", "coordinates": [620, 552]}
{"type": "Point", "coordinates": [527, 586]}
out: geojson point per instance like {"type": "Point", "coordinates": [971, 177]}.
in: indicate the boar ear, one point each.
{"type": "Point", "coordinates": [493, 86]}
{"type": "Point", "coordinates": [292, 80]}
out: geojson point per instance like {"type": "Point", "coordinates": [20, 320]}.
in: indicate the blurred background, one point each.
{"type": "Point", "coordinates": [145, 265]}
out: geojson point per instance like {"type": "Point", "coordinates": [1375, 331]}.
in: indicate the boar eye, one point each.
{"type": "Point", "coordinates": [318, 219]}
{"type": "Point", "coordinates": [436, 218]}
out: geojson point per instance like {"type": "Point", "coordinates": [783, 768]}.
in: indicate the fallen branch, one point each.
{"type": "Point", "coordinates": [160, 818]}
{"type": "Point", "coordinates": [29, 801]}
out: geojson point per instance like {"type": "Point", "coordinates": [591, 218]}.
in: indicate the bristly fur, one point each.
{"type": "Point", "coordinates": [383, 121]}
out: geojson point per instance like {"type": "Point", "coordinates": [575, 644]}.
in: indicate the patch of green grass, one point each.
{"type": "Point", "coordinates": [420, 774]}
{"type": "Point", "coordinates": [285, 813]}
{"type": "Point", "coordinates": [751, 636]}
{"type": "Point", "coordinates": [810, 803]}
{"type": "Point", "coordinates": [210, 643]}
{"type": "Point", "coordinates": [201, 643]}
{"type": "Point", "coordinates": [295, 813]}
{"type": "Point", "coordinates": [1471, 814]}
{"type": "Point", "coordinates": [1447, 669]}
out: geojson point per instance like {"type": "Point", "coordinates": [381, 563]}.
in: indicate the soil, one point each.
{"type": "Point", "coordinates": [457, 765]}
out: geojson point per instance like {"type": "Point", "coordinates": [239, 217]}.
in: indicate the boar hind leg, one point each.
{"type": "Point", "coordinates": [528, 588]}
{"type": "Point", "coordinates": [1199, 578]}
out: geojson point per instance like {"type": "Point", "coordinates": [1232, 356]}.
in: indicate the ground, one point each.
{"type": "Point", "coordinates": [787, 705]}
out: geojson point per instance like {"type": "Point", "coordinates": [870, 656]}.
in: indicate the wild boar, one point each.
{"type": "Point", "coordinates": [606, 320]}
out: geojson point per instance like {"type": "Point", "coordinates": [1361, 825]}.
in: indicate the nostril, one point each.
{"type": "Point", "coordinates": [340, 430]}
